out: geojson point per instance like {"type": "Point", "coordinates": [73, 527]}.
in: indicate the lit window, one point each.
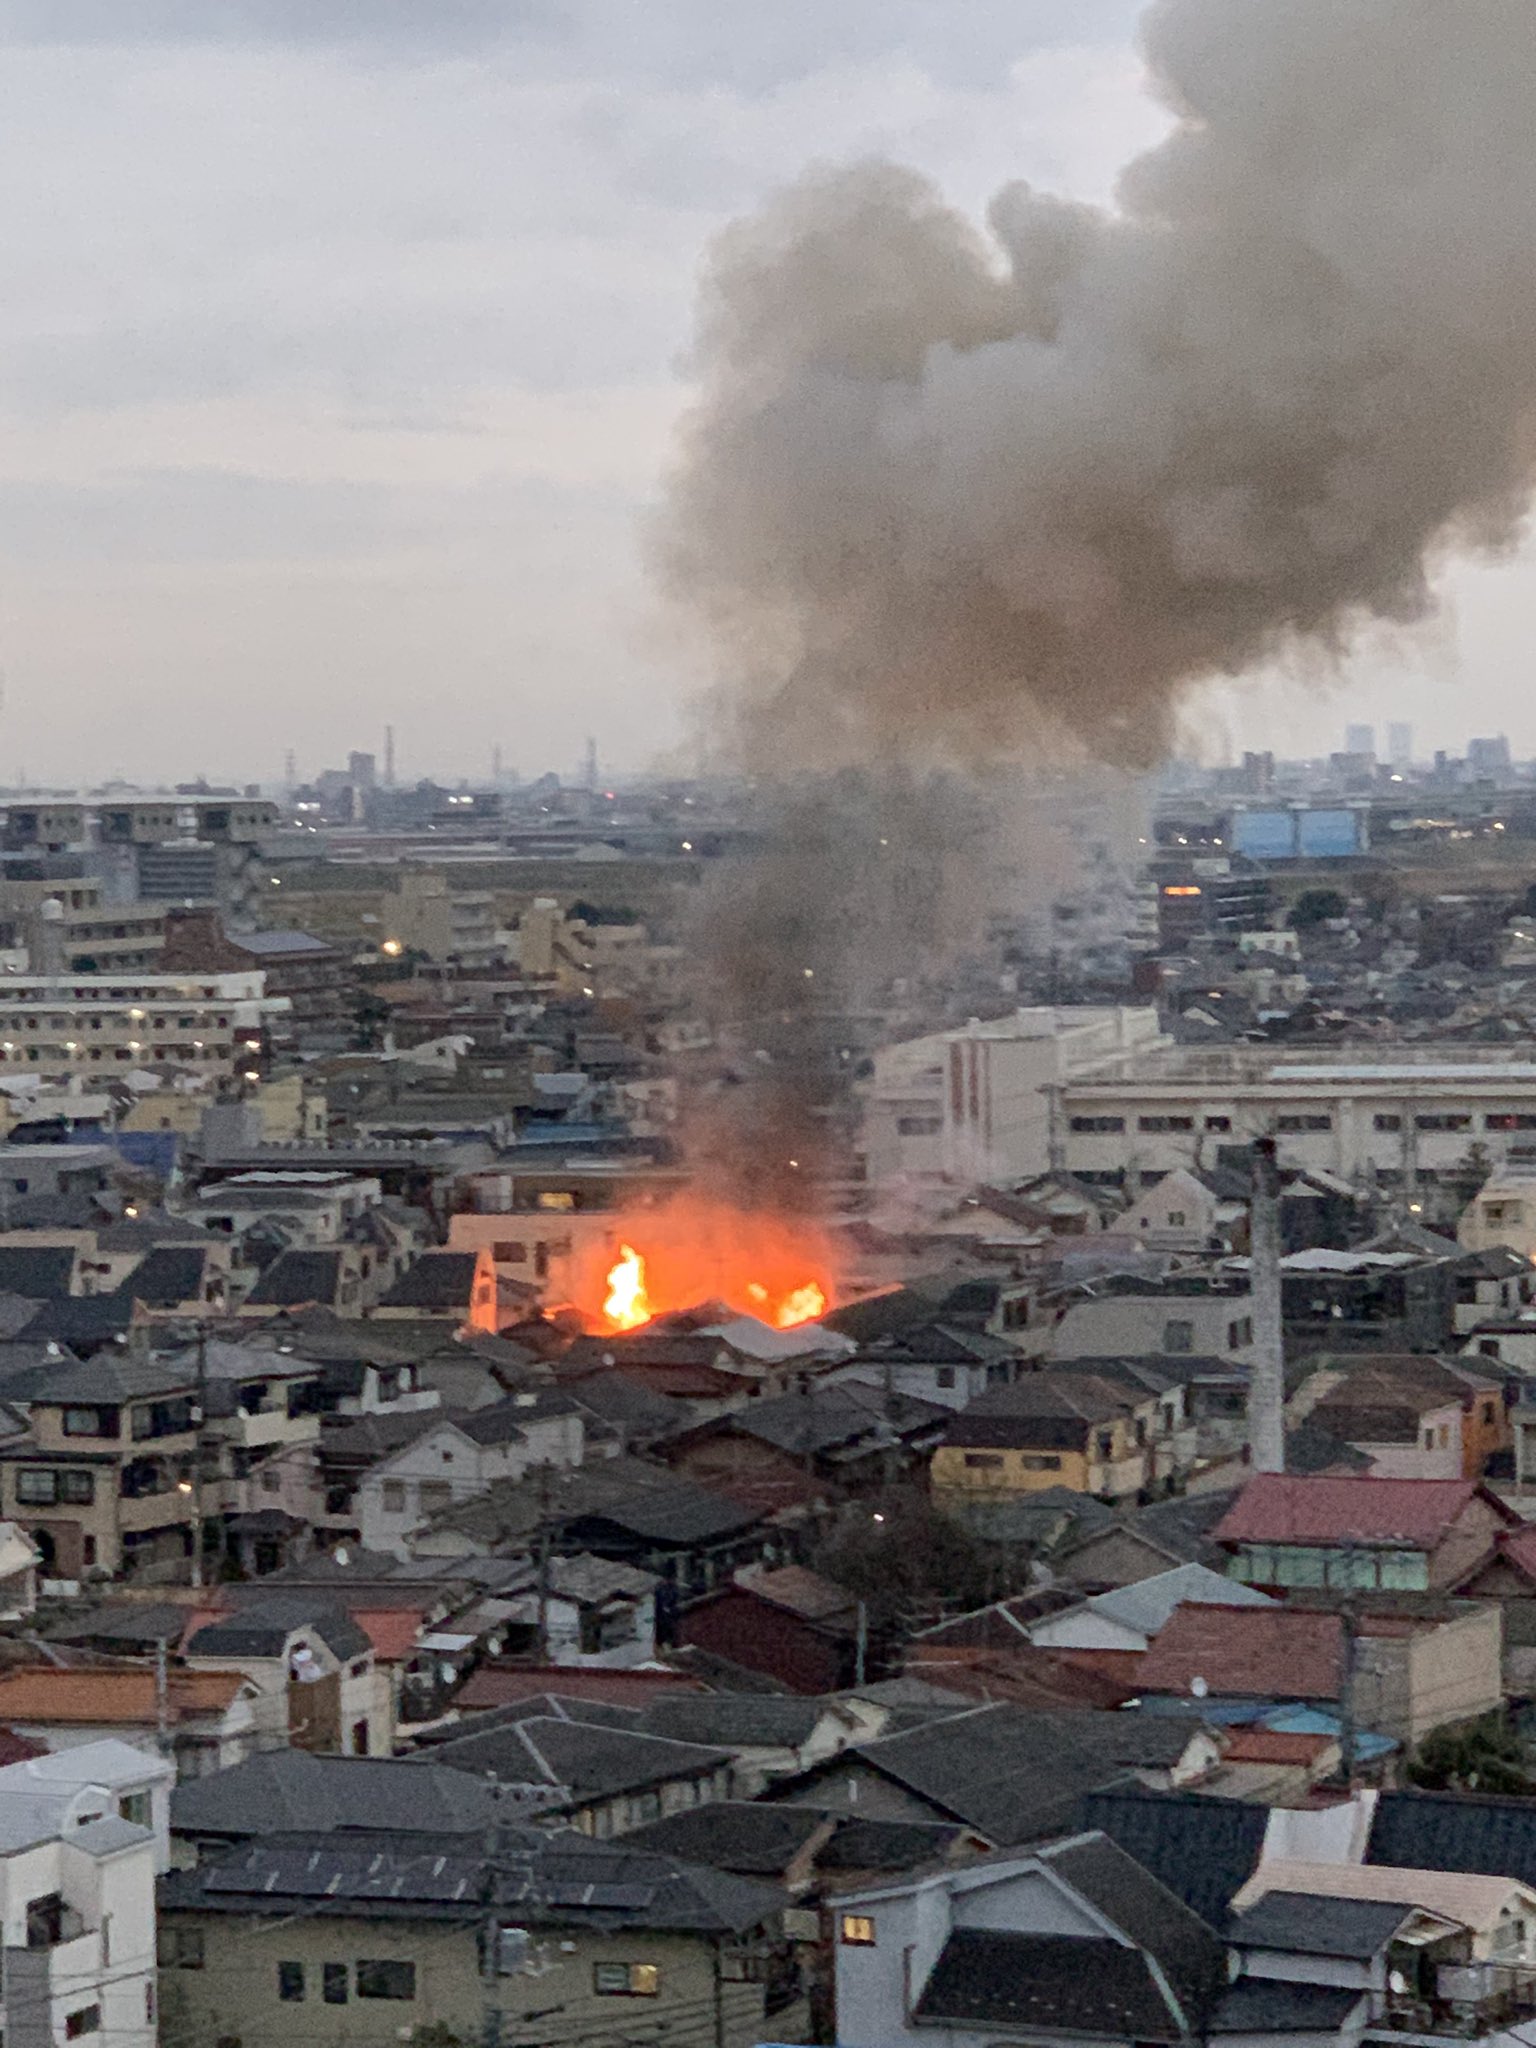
{"type": "Point", "coordinates": [858, 1930]}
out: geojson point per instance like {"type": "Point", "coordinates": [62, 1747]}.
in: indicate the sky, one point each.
{"type": "Point", "coordinates": [343, 343]}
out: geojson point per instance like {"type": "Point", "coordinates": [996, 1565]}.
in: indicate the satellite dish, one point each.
{"type": "Point", "coordinates": [1199, 1688]}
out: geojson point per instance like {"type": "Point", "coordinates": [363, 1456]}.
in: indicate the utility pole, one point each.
{"type": "Point", "coordinates": [545, 1478]}
{"type": "Point", "coordinates": [1350, 1637]}
{"type": "Point", "coordinates": [197, 1456]}
{"type": "Point", "coordinates": [861, 1643]}
{"type": "Point", "coordinates": [162, 1700]}
{"type": "Point", "coordinates": [490, 1962]}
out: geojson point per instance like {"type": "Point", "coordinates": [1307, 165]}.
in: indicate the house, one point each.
{"type": "Point", "coordinates": [591, 1764]}
{"type": "Point", "coordinates": [1416, 1417]}
{"type": "Point", "coordinates": [848, 1437]}
{"type": "Point", "coordinates": [330, 1277]}
{"type": "Point", "coordinates": [617, 1939]}
{"type": "Point", "coordinates": [205, 1720]}
{"type": "Point", "coordinates": [595, 1612]}
{"type": "Point", "coordinates": [77, 1896]}
{"type": "Point", "coordinates": [286, 1789]}
{"type": "Point", "coordinates": [1074, 1941]}
{"type": "Point", "coordinates": [1120, 1547]}
{"type": "Point", "coordinates": [1009, 1774]}
{"type": "Point", "coordinates": [103, 1478]}
{"type": "Point", "coordinates": [942, 1363]}
{"type": "Point", "coordinates": [769, 1736]}
{"type": "Point", "coordinates": [1407, 1535]}
{"type": "Point", "coordinates": [1130, 1617]}
{"type": "Point", "coordinates": [458, 1458]}
{"type": "Point", "coordinates": [458, 1288]}
{"type": "Point", "coordinates": [1415, 1665]}
{"type": "Point", "coordinates": [317, 1683]}
{"type": "Point", "coordinates": [785, 1621]}
{"type": "Point", "coordinates": [1493, 1284]}
{"type": "Point", "coordinates": [1147, 1320]}
{"type": "Point", "coordinates": [622, 1508]}
{"type": "Point", "coordinates": [1177, 1214]}
{"type": "Point", "coordinates": [1075, 1429]}
{"type": "Point", "coordinates": [1362, 1300]}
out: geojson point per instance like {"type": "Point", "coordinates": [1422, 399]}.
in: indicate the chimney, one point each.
{"type": "Point", "coordinates": [1266, 1375]}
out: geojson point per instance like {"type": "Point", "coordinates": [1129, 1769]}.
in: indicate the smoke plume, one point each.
{"type": "Point", "coordinates": [948, 493]}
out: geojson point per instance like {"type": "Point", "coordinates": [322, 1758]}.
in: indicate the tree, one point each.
{"type": "Point", "coordinates": [1474, 1756]}
{"type": "Point", "coordinates": [903, 1559]}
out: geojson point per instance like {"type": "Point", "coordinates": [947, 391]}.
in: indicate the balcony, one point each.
{"type": "Point", "coordinates": [1460, 2002]}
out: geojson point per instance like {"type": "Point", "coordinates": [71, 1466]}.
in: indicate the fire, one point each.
{"type": "Point", "coordinates": [689, 1255]}
{"type": "Point", "coordinates": [627, 1304]}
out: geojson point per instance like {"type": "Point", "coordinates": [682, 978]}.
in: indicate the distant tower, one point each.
{"type": "Point", "coordinates": [589, 765]}
{"type": "Point", "coordinates": [290, 770]}
{"type": "Point", "coordinates": [496, 767]}
{"type": "Point", "coordinates": [1360, 739]}
{"type": "Point", "coordinates": [389, 757]}
{"type": "Point", "coordinates": [1400, 745]}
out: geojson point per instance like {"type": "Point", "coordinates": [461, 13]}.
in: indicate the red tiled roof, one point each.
{"type": "Point", "coordinates": [1270, 1746]}
{"type": "Point", "coordinates": [392, 1630]}
{"type": "Point", "coordinates": [1283, 1653]}
{"type": "Point", "coordinates": [1278, 1507]}
{"type": "Point", "coordinates": [494, 1687]}
{"type": "Point", "coordinates": [1028, 1676]}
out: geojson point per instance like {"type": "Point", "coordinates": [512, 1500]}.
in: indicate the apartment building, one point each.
{"type": "Point", "coordinates": [214, 1024]}
{"type": "Point", "coordinates": [1407, 1116]}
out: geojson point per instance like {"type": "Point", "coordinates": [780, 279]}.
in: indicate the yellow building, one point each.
{"type": "Point", "coordinates": [1051, 1429]}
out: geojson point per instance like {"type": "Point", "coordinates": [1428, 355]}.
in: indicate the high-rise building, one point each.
{"type": "Point", "coordinates": [1488, 756]}
{"type": "Point", "coordinates": [1400, 745]}
{"type": "Point", "coordinates": [1359, 739]}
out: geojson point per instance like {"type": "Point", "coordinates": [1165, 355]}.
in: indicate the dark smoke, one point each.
{"type": "Point", "coordinates": [948, 493]}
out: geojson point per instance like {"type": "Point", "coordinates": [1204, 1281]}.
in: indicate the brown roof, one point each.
{"type": "Point", "coordinates": [497, 1686]}
{"type": "Point", "coordinates": [799, 1591]}
{"type": "Point", "coordinates": [1028, 1676]}
{"type": "Point", "coordinates": [1270, 1746]}
{"type": "Point", "coordinates": [1278, 1507]}
{"type": "Point", "coordinates": [94, 1697]}
{"type": "Point", "coordinates": [1248, 1652]}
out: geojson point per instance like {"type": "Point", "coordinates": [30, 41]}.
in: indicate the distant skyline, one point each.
{"type": "Point", "coordinates": [344, 340]}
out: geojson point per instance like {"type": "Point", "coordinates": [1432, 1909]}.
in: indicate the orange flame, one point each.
{"type": "Point", "coordinates": [627, 1305]}
{"type": "Point", "coordinates": [687, 1254]}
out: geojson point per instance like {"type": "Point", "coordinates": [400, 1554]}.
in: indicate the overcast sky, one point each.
{"type": "Point", "coordinates": [343, 339]}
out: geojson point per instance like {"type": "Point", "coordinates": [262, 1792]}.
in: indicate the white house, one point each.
{"type": "Point", "coordinates": [317, 1684]}
{"type": "Point", "coordinates": [459, 1458]}
{"type": "Point", "coordinates": [596, 1612]}
{"type": "Point", "coordinates": [1178, 1214]}
{"type": "Point", "coordinates": [78, 1858]}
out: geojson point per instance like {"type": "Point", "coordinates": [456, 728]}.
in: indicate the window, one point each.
{"type": "Point", "coordinates": [85, 2020]}
{"type": "Point", "coordinates": [1096, 1126]}
{"type": "Point", "coordinates": [1509, 1120]}
{"type": "Point", "coordinates": [45, 1920]}
{"type": "Point", "coordinates": [918, 1126]}
{"type": "Point", "coordinates": [1429, 1439]}
{"type": "Point", "coordinates": [1296, 1123]}
{"type": "Point", "coordinates": [1104, 1444]}
{"type": "Point", "coordinates": [181, 1948]}
{"type": "Point", "coordinates": [983, 1461]}
{"type": "Point", "coordinates": [1439, 1122]}
{"type": "Point", "coordinates": [77, 1487]}
{"type": "Point", "coordinates": [393, 1496]}
{"type": "Point", "coordinates": [435, 1493]}
{"type": "Point", "coordinates": [626, 1980]}
{"type": "Point", "coordinates": [36, 1488]}
{"type": "Point", "coordinates": [386, 1980]}
{"type": "Point", "coordinates": [1176, 1219]}
{"type": "Point", "coordinates": [333, 1984]}
{"type": "Point", "coordinates": [945, 1376]}
{"type": "Point", "coordinates": [1218, 1123]}
{"type": "Point", "coordinates": [1178, 1336]}
{"type": "Point", "coordinates": [857, 1930]}
{"type": "Point", "coordinates": [290, 1983]}
{"type": "Point", "coordinates": [1165, 1123]}
{"type": "Point", "coordinates": [509, 1251]}
{"type": "Point", "coordinates": [89, 1422]}
{"type": "Point", "coordinates": [134, 1807]}
{"type": "Point", "coordinates": [1384, 1120]}
{"type": "Point", "coordinates": [1041, 1461]}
